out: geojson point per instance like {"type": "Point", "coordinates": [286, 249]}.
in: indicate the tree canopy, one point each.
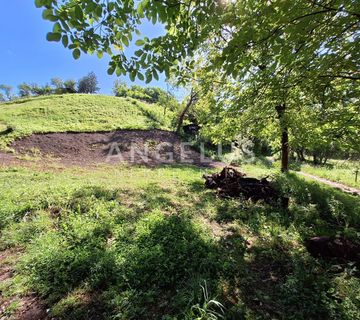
{"type": "Point", "coordinates": [311, 34]}
{"type": "Point", "coordinates": [88, 84]}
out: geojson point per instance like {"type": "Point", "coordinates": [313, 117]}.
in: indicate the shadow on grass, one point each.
{"type": "Point", "coordinates": [140, 254]}
{"type": "Point", "coordinates": [314, 209]}
{"type": "Point", "coordinates": [277, 281]}
{"type": "Point", "coordinates": [133, 268]}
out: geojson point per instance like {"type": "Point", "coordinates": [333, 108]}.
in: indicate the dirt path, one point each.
{"type": "Point", "coordinates": [337, 185]}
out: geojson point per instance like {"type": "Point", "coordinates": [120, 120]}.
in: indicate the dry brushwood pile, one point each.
{"type": "Point", "coordinates": [231, 183]}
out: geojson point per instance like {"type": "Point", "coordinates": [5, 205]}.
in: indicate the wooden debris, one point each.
{"type": "Point", "coordinates": [231, 183]}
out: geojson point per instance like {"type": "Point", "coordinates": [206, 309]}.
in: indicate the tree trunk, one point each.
{"type": "Point", "coordinates": [192, 99]}
{"type": "Point", "coordinates": [300, 155]}
{"type": "Point", "coordinates": [280, 109]}
{"type": "Point", "coordinates": [315, 159]}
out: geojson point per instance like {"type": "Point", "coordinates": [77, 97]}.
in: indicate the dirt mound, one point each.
{"type": "Point", "coordinates": [150, 147]}
{"type": "Point", "coordinates": [231, 183]}
{"type": "Point", "coordinates": [338, 248]}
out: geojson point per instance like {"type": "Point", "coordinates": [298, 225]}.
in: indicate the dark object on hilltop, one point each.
{"type": "Point", "coordinates": [68, 90]}
{"type": "Point", "coordinates": [231, 183]}
{"type": "Point", "coordinates": [338, 248]}
{"type": "Point", "coordinates": [192, 129]}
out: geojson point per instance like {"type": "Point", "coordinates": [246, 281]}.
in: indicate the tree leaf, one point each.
{"type": "Point", "coordinates": [38, 3]}
{"type": "Point", "coordinates": [51, 36]}
{"type": "Point", "coordinates": [111, 70]}
{"type": "Point", "coordinates": [79, 13]}
{"type": "Point", "coordinates": [148, 77]}
{"type": "Point", "coordinates": [138, 53]}
{"type": "Point", "coordinates": [139, 42]}
{"type": "Point", "coordinates": [48, 15]}
{"type": "Point", "coordinates": [57, 27]}
{"type": "Point", "coordinates": [118, 72]}
{"type": "Point", "coordinates": [125, 41]}
{"type": "Point", "coordinates": [76, 54]}
{"type": "Point", "coordinates": [65, 41]}
{"type": "Point", "coordinates": [132, 75]}
{"type": "Point", "coordinates": [140, 76]}
{"type": "Point", "coordinates": [155, 74]}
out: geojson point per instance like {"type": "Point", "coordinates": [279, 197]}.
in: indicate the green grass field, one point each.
{"type": "Point", "coordinates": [338, 171]}
{"type": "Point", "coordinates": [138, 243]}
{"type": "Point", "coordinates": [76, 112]}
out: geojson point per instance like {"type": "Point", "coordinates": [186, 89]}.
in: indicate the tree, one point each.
{"type": "Point", "coordinates": [58, 84]}
{"type": "Point", "coordinates": [268, 49]}
{"type": "Point", "coordinates": [7, 92]}
{"type": "Point", "coordinates": [24, 90]}
{"type": "Point", "coordinates": [38, 90]}
{"type": "Point", "coordinates": [328, 124]}
{"type": "Point", "coordinates": [191, 101]}
{"type": "Point", "coordinates": [88, 84]}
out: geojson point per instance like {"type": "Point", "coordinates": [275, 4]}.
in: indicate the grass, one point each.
{"type": "Point", "coordinates": [139, 243]}
{"type": "Point", "coordinates": [338, 171]}
{"type": "Point", "coordinates": [342, 171]}
{"type": "Point", "coordinates": [77, 112]}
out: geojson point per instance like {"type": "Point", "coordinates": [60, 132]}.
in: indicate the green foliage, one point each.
{"type": "Point", "coordinates": [69, 112]}
{"type": "Point", "coordinates": [7, 92]}
{"type": "Point", "coordinates": [24, 90]}
{"type": "Point", "coordinates": [117, 241]}
{"type": "Point", "coordinates": [147, 94]}
{"type": "Point", "coordinates": [282, 30]}
{"type": "Point", "coordinates": [312, 77]}
{"type": "Point", "coordinates": [210, 309]}
{"type": "Point", "coordinates": [59, 87]}
{"type": "Point", "coordinates": [88, 84]}
{"type": "Point", "coordinates": [58, 84]}
{"type": "Point", "coordinates": [37, 90]}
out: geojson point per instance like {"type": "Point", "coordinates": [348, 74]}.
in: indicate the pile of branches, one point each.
{"type": "Point", "coordinates": [231, 183]}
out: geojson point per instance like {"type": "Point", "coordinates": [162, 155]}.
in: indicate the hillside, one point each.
{"type": "Point", "coordinates": [77, 113]}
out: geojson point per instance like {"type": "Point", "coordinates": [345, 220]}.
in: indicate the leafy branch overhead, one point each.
{"type": "Point", "coordinates": [310, 35]}
{"type": "Point", "coordinates": [109, 26]}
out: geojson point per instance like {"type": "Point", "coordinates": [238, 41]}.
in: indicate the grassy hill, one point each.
{"type": "Point", "coordinates": [77, 112]}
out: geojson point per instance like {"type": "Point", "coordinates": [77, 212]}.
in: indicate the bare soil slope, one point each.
{"type": "Point", "coordinates": [149, 147]}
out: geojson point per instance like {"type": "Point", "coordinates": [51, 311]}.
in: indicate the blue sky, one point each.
{"type": "Point", "coordinates": [26, 56]}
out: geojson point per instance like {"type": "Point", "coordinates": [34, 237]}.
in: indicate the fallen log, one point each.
{"type": "Point", "coordinates": [231, 183]}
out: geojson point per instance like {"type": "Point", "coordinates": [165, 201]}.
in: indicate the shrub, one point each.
{"type": "Point", "coordinates": [70, 86]}
{"type": "Point", "coordinates": [147, 94]}
{"type": "Point", "coordinates": [24, 90]}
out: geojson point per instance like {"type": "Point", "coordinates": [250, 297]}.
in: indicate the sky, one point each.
{"type": "Point", "coordinates": [26, 55]}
